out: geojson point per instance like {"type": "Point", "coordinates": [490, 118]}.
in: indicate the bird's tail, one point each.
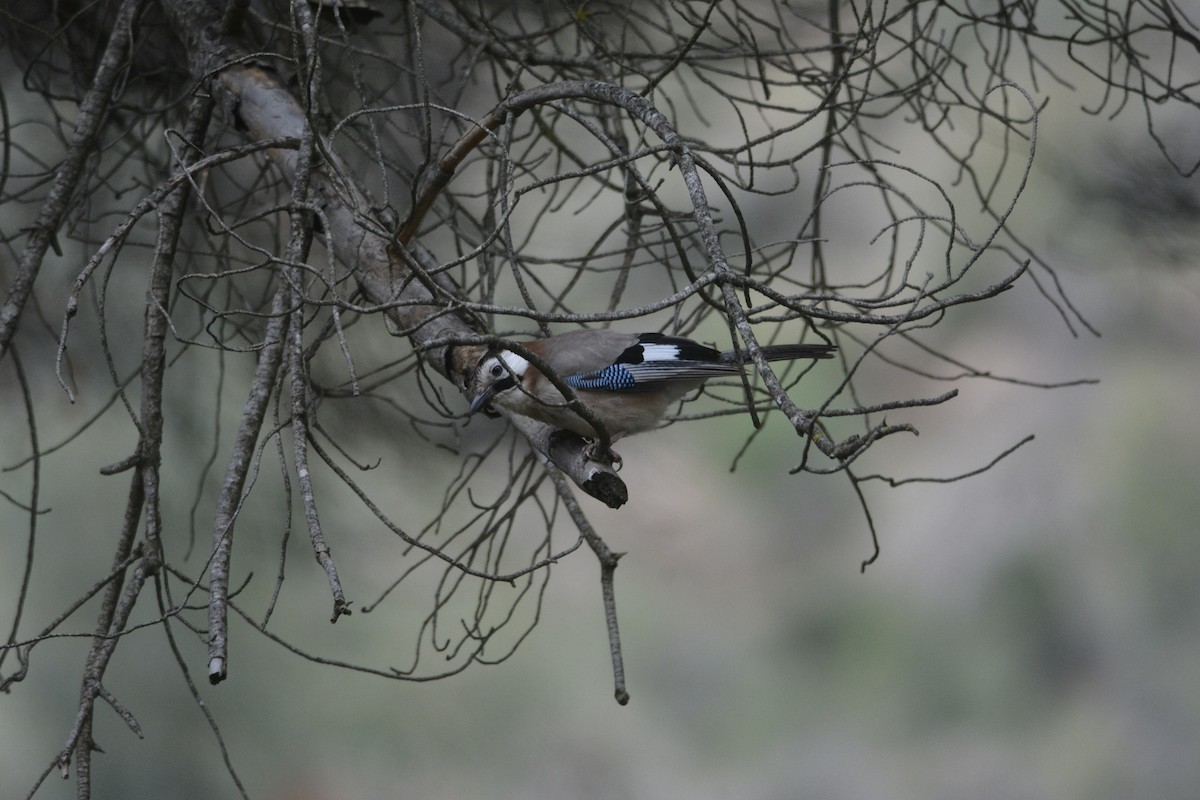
{"type": "Point", "coordinates": [783, 352]}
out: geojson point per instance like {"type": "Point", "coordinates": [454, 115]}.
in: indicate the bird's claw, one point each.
{"type": "Point", "coordinates": [593, 453]}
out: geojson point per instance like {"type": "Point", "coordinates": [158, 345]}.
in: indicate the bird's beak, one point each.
{"type": "Point", "coordinates": [481, 400]}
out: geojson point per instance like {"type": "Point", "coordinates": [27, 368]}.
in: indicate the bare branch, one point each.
{"type": "Point", "coordinates": [91, 117]}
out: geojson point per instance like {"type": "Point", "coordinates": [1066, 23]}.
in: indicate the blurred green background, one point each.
{"type": "Point", "coordinates": [1032, 632]}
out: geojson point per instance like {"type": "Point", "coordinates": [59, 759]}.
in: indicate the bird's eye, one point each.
{"type": "Point", "coordinates": [497, 370]}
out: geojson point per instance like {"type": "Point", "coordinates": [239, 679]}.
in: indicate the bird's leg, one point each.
{"type": "Point", "coordinates": [593, 453]}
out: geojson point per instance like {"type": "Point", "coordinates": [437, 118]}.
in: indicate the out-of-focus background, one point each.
{"type": "Point", "coordinates": [1031, 632]}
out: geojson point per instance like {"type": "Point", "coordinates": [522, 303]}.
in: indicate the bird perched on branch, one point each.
{"type": "Point", "coordinates": [627, 381]}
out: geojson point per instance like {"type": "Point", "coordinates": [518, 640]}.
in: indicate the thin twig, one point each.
{"type": "Point", "coordinates": [87, 126]}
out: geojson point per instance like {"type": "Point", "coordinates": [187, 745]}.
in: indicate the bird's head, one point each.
{"type": "Point", "coordinates": [494, 377]}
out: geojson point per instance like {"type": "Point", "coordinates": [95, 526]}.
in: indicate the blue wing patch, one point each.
{"type": "Point", "coordinates": [613, 378]}
{"type": "Point", "coordinates": [658, 362]}
{"type": "Point", "coordinates": [648, 376]}
{"type": "Point", "coordinates": [655, 361]}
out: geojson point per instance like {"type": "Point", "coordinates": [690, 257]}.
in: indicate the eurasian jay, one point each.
{"type": "Point", "coordinates": [627, 380]}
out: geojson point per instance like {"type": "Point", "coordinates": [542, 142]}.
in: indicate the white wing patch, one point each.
{"type": "Point", "coordinates": [660, 352]}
